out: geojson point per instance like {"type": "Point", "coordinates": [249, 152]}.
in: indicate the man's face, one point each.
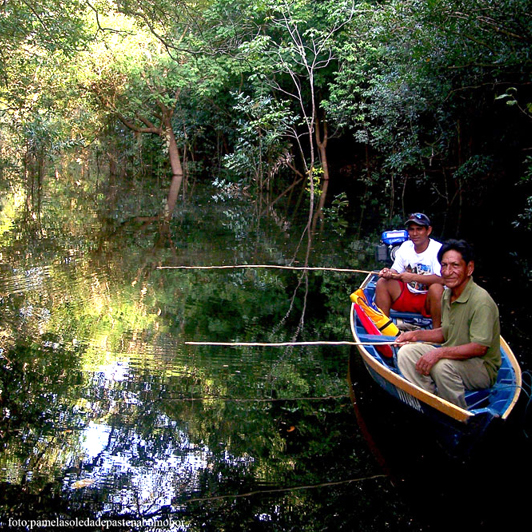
{"type": "Point", "coordinates": [419, 234]}
{"type": "Point", "coordinates": [455, 271]}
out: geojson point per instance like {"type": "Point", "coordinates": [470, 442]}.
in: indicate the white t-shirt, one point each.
{"type": "Point", "coordinates": [426, 263]}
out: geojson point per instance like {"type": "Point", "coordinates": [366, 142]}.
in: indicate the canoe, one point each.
{"type": "Point", "coordinates": [458, 426]}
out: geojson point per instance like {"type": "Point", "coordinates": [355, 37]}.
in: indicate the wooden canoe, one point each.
{"type": "Point", "coordinates": [483, 405]}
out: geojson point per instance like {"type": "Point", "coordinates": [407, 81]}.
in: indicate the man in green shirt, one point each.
{"type": "Point", "coordinates": [469, 357]}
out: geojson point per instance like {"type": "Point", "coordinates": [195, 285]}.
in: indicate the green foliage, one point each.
{"type": "Point", "coordinates": [261, 146]}
{"type": "Point", "coordinates": [40, 117]}
{"type": "Point", "coordinates": [336, 214]}
{"type": "Point", "coordinates": [423, 87]}
{"type": "Point", "coordinates": [415, 79]}
{"type": "Point", "coordinates": [525, 217]}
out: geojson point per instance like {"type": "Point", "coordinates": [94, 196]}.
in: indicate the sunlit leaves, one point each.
{"type": "Point", "coordinates": [261, 147]}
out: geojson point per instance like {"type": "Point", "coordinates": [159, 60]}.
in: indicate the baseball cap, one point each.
{"type": "Point", "coordinates": [418, 218]}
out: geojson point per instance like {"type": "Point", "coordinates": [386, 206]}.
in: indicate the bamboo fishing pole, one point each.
{"type": "Point", "coordinates": [286, 344]}
{"type": "Point", "coordinates": [235, 266]}
{"type": "Point", "coordinates": [296, 344]}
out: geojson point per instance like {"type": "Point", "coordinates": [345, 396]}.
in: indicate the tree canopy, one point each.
{"type": "Point", "coordinates": [387, 101]}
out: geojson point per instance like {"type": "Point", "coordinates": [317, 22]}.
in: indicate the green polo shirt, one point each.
{"type": "Point", "coordinates": [473, 317]}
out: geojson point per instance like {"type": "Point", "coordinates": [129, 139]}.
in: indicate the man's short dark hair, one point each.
{"type": "Point", "coordinates": [461, 246]}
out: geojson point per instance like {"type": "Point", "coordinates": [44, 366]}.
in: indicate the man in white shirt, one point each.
{"type": "Point", "coordinates": [414, 282]}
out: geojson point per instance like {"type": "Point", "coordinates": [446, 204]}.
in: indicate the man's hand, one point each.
{"type": "Point", "coordinates": [425, 363]}
{"type": "Point", "coordinates": [408, 336]}
{"type": "Point", "coordinates": [388, 273]}
{"type": "Point", "coordinates": [432, 336]}
{"type": "Point", "coordinates": [407, 277]}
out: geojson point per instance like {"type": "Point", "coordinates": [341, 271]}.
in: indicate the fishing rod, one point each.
{"type": "Point", "coordinates": [287, 344]}
{"type": "Point", "coordinates": [290, 344]}
{"type": "Point", "coordinates": [236, 266]}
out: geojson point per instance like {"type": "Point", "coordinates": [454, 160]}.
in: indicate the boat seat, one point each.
{"type": "Point", "coordinates": [411, 317]}
{"type": "Point", "coordinates": [403, 315]}
{"type": "Point", "coordinates": [477, 398]}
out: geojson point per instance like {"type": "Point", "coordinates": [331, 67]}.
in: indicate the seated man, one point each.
{"type": "Point", "coordinates": [413, 283]}
{"type": "Point", "coordinates": [470, 356]}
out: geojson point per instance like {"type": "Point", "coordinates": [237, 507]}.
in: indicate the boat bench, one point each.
{"type": "Point", "coordinates": [477, 398]}
{"type": "Point", "coordinates": [411, 317]}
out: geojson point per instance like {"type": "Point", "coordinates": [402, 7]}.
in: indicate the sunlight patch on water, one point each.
{"type": "Point", "coordinates": [139, 476]}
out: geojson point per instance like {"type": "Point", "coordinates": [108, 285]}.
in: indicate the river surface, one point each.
{"type": "Point", "coordinates": [115, 414]}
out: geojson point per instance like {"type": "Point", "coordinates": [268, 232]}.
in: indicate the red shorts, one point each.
{"type": "Point", "coordinates": [410, 302]}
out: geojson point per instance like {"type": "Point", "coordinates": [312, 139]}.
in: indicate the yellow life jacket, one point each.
{"type": "Point", "coordinates": [385, 324]}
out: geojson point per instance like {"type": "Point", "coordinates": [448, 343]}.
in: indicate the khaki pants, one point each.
{"type": "Point", "coordinates": [448, 379]}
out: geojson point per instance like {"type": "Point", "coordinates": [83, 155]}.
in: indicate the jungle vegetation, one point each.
{"type": "Point", "coordinates": [391, 105]}
{"type": "Point", "coordinates": [352, 112]}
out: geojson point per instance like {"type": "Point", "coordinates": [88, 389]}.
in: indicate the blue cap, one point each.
{"type": "Point", "coordinates": [418, 218]}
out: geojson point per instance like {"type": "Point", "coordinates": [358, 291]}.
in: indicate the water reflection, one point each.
{"type": "Point", "coordinates": [146, 476]}
{"type": "Point", "coordinates": [106, 412]}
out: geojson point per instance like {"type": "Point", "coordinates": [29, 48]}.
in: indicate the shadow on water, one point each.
{"type": "Point", "coordinates": [484, 489]}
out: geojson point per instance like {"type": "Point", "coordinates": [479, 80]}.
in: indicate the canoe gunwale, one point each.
{"type": "Point", "coordinates": [518, 377]}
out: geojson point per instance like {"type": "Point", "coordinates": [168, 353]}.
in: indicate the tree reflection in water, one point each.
{"type": "Point", "coordinates": [108, 413]}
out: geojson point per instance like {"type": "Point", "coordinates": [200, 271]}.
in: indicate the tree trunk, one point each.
{"type": "Point", "coordinates": [165, 131]}
{"type": "Point", "coordinates": [177, 171]}
{"type": "Point", "coordinates": [322, 147]}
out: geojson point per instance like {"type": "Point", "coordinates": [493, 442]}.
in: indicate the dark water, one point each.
{"type": "Point", "coordinates": [111, 419]}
